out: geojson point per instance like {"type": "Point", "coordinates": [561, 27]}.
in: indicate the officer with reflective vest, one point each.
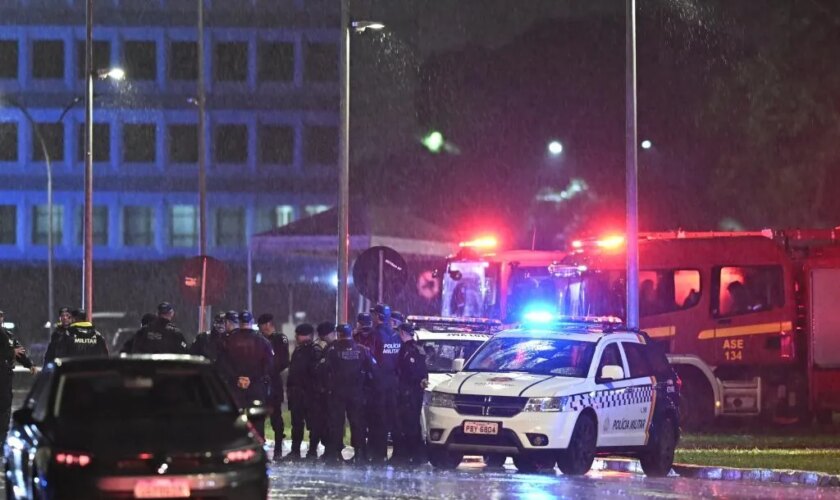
{"type": "Point", "coordinates": [81, 339]}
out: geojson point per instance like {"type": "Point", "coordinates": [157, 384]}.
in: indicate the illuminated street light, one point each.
{"type": "Point", "coordinates": [646, 144]}
{"type": "Point", "coordinates": [361, 26]}
{"type": "Point", "coordinates": [555, 148]}
{"type": "Point", "coordinates": [113, 73]}
{"type": "Point", "coordinates": [433, 141]}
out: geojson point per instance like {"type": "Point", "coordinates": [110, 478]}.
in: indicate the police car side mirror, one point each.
{"type": "Point", "coordinates": [612, 372]}
{"type": "Point", "coordinates": [458, 364]}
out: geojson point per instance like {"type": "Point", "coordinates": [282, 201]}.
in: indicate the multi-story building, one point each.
{"type": "Point", "coordinates": [271, 76]}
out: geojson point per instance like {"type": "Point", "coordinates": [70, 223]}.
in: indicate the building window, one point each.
{"type": "Point", "coordinates": [139, 143]}
{"type": "Point", "coordinates": [183, 143]}
{"type": "Point", "coordinates": [140, 60]}
{"type": "Point", "coordinates": [183, 60]}
{"type": "Point", "coordinates": [277, 144]}
{"type": "Point", "coordinates": [230, 61]}
{"type": "Point", "coordinates": [8, 141]}
{"type": "Point", "coordinates": [53, 134]}
{"type": "Point", "coordinates": [230, 227]}
{"type": "Point", "coordinates": [40, 224]}
{"type": "Point", "coordinates": [100, 225]}
{"type": "Point", "coordinates": [276, 61]}
{"type": "Point", "coordinates": [48, 59]}
{"type": "Point", "coordinates": [315, 209]}
{"type": "Point", "coordinates": [8, 224]}
{"type": "Point", "coordinates": [231, 142]}
{"type": "Point", "coordinates": [183, 226]}
{"type": "Point", "coordinates": [138, 226]}
{"type": "Point", "coordinates": [8, 59]}
{"type": "Point", "coordinates": [101, 142]}
{"type": "Point", "coordinates": [101, 57]}
{"type": "Point", "coordinates": [321, 145]}
{"type": "Point", "coordinates": [269, 218]}
{"type": "Point", "coordinates": [321, 62]}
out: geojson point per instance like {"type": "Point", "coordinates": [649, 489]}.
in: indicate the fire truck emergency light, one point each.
{"type": "Point", "coordinates": [611, 242]}
{"type": "Point", "coordinates": [485, 242]}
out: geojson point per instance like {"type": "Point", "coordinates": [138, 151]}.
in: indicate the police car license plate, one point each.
{"type": "Point", "coordinates": [162, 488]}
{"type": "Point", "coordinates": [485, 428]}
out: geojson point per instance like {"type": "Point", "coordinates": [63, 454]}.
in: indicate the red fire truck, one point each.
{"type": "Point", "coordinates": [751, 320]}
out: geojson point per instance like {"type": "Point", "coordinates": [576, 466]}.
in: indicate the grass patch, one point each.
{"type": "Point", "coordinates": [817, 460]}
{"type": "Point", "coordinates": [287, 425]}
{"type": "Point", "coordinates": [762, 441]}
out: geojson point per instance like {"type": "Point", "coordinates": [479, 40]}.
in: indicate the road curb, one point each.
{"type": "Point", "coordinates": [807, 478]}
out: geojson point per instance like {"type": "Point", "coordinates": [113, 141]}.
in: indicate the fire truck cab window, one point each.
{"type": "Point", "coordinates": [664, 291]}
{"type": "Point", "coordinates": [748, 289]}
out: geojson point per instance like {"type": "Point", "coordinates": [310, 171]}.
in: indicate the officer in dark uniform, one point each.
{"type": "Point", "coordinates": [347, 366]}
{"type": "Point", "coordinates": [280, 345]}
{"type": "Point", "coordinates": [386, 412]}
{"type": "Point", "coordinates": [413, 379]}
{"type": "Point", "coordinates": [318, 423]}
{"type": "Point", "coordinates": [371, 426]}
{"type": "Point", "coordinates": [246, 363]}
{"type": "Point", "coordinates": [161, 336]}
{"type": "Point", "coordinates": [81, 339]}
{"type": "Point", "coordinates": [231, 323]}
{"type": "Point", "coordinates": [11, 351]}
{"type": "Point", "coordinates": [65, 318]}
{"type": "Point", "coordinates": [208, 344]}
{"type": "Point", "coordinates": [397, 318]}
{"type": "Point", "coordinates": [301, 386]}
{"type": "Point", "coordinates": [145, 321]}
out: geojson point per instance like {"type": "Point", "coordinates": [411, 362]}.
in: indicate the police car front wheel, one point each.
{"type": "Point", "coordinates": [577, 459]}
{"type": "Point", "coordinates": [533, 462]}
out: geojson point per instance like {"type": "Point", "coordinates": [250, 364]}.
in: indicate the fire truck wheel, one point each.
{"type": "Point", "coordinates": [659, 457]}
{"type": "Point", "coordinates": [578, 457]}
{"type": "Point", "coordinates": [697, 406]}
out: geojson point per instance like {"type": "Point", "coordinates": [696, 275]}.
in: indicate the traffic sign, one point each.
{"type": "Point", "coordinates": [380, 274]}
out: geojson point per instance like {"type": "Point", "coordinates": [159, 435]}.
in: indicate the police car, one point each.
{"type": "Point", "coordinates": [559, 394]}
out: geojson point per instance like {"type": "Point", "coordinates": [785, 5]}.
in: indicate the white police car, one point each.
{"type": "Point", "coordinates": [559, 394]}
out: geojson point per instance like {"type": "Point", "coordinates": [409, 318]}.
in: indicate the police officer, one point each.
{"type": "Point", "coordinates": [280, 345]}
{"type": "Point", "coordinates": [208, 344]}
{"type": "Point", "coordinates": [81, 339]}
{"type": "Point", "coordinates": [301, 386]}
{"type": "Point", "coordinates": [318, 423]}
{"type": "Point", "coordinates": [10, 351]}
{"type": "Point", "coordinates": [145, 321]}
{"type": "Point", "coordinates": [64, 319]}
{"type": "Point", "coordinates": [386, 413]}
{"type": "Point", "coordinates": [246, 363]}
{"type": "Point", "coordinates": [397, 318]}
{"type": "Point", "coordinates": [371, 423]}
{"type": "Point", "coordinates": [348, 365]}
{"type": "Point", "coordinates": [161, 336]}
{"type": "Point", "coordinates": [413, 379]}
{"type": "Point", "coordinates": [231, 323]}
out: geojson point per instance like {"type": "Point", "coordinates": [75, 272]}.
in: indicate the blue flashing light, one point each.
{"type": "Point", "coordinates": [540, 316]}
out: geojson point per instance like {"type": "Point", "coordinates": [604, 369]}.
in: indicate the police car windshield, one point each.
{"type": "Point", "coordinates": [441, 353]}
{"type": "Point", "coordinates": [118, 395]}
{"type": "Point", "coordinates": [561, 357]}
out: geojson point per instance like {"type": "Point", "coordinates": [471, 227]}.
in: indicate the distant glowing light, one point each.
{"type": "Point", "coordinates": [361, 26]}
{"type": "Point", "coordinates": [433, 141]}
{"type": "Point", "coordinates": [334, 280]}
{"type": "Point", "coordinates": [577, 244]}
{"type": "Point", "coordinates": [611, 242]}
{"type": "Point", "coordinates": [113, 73]}
{"type": "Point", "coordinates": [555, 148]}
{"type": "Point", "coordinates": [538, 316]}
{"type": "Point", "coordinates": [646, 144]}
{"type": "Point", "coordinates": [484, 242]}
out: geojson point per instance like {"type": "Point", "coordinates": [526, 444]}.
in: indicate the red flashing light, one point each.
{"type": "Point", "coordinates": [484, 242]}
{"type": "Point", "coordinates": [72, 459]}
{"type": "Point", "coordinates": [577, 244]}
{"type": "Point", "coordinates": [238, 456]}
{"type": "Point", "coordinates": [611, 242]}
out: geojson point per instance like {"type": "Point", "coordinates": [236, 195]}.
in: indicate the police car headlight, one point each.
{"type": "Point", "coordinates": [442, 400]}
{"type": "Point", "coordinates": [547, 404]}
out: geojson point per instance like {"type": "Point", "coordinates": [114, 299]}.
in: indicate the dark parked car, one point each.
{"type": "Point", "coordinates": [161, 426]}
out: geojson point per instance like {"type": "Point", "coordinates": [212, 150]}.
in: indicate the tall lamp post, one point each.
{"type": "Point", "coordinates": [202, 173]}
{"type": "Point", "coordinates": [87, 262]}
{"type": "Point", "coordinates": [632, 173]}
{"type": "Point", "coordinates": [344, 155]}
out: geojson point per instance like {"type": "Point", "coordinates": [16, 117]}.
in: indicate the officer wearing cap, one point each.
{"type": "Point", "coordinates": [301, 387]}
{"type": "Point", "coordinates": [246, 363]}
{"type": "Point", "coordinates": [231, 322]}
{"type": "Point", "coordinates": [10, 351]}
{"type": "Point", "coordinates": [397, 318]}
{"type": "Point", "coordinates": [348, 365]}
{"type": "Point", "coordinates": [161, 336]}
{"type": "Point", "coordinates": [280, 345]}
{"type": "Point", "coordinates": [386, 406]}
{"type": "Point", "coordinates": [64, 319]}
{"type": "Point", "coordinates": [81, 339]}
{"type": "Point", "coordinates": [208, 344]}
{"type": "Point", "coordinates": [371, 425]}
{"type": "Point", "coordinates": [413, 377]}
{"type": "Point", "coordinates": [318, 428]}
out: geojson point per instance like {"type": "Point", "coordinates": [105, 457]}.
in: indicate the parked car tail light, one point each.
{"type": "Point", "coordinates": [243, 455]}
{"type": "Point", "coordinates": [72, 459]}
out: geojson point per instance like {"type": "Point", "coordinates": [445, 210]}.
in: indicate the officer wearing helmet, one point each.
{"type": "Point", "coordinates": [208, 344]}
{"type": "Point", "coordinates": [161, 336]}
{"type": "Point", "coordinates": [246, 363]}
{"type": "Point", "coordinates": [319, 430]}
{"type": "Point", "coordinates": [65, 318]}
{"type": "Point", "coordinates": [413, 378]}
{"type": "Point", "coordinates": [81, 339]}
{"type": "Point", "coordinates": [386, 405]}
{"type": "Point", "coordinates": [348, 365]}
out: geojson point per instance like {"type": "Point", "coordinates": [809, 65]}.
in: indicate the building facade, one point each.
{"type": "Point", "coordinates": [271, 79]}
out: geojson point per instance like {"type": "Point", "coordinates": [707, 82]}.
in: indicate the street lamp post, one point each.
{"type": "Point", "coordinates": [202, 173]}
{"type": "Point", "coordinates": [87, 263]}
{"type": "Point", "coordinates": [632, 173]}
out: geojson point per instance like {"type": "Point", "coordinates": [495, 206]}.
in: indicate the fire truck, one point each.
{"type": "Point", "coordinates": [750, 320]}
{"type": "Point", "coordinates": [482, 281]}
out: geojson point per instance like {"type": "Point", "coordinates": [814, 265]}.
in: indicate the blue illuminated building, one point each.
{"type": "Point", "coordinates": [272, 115]}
